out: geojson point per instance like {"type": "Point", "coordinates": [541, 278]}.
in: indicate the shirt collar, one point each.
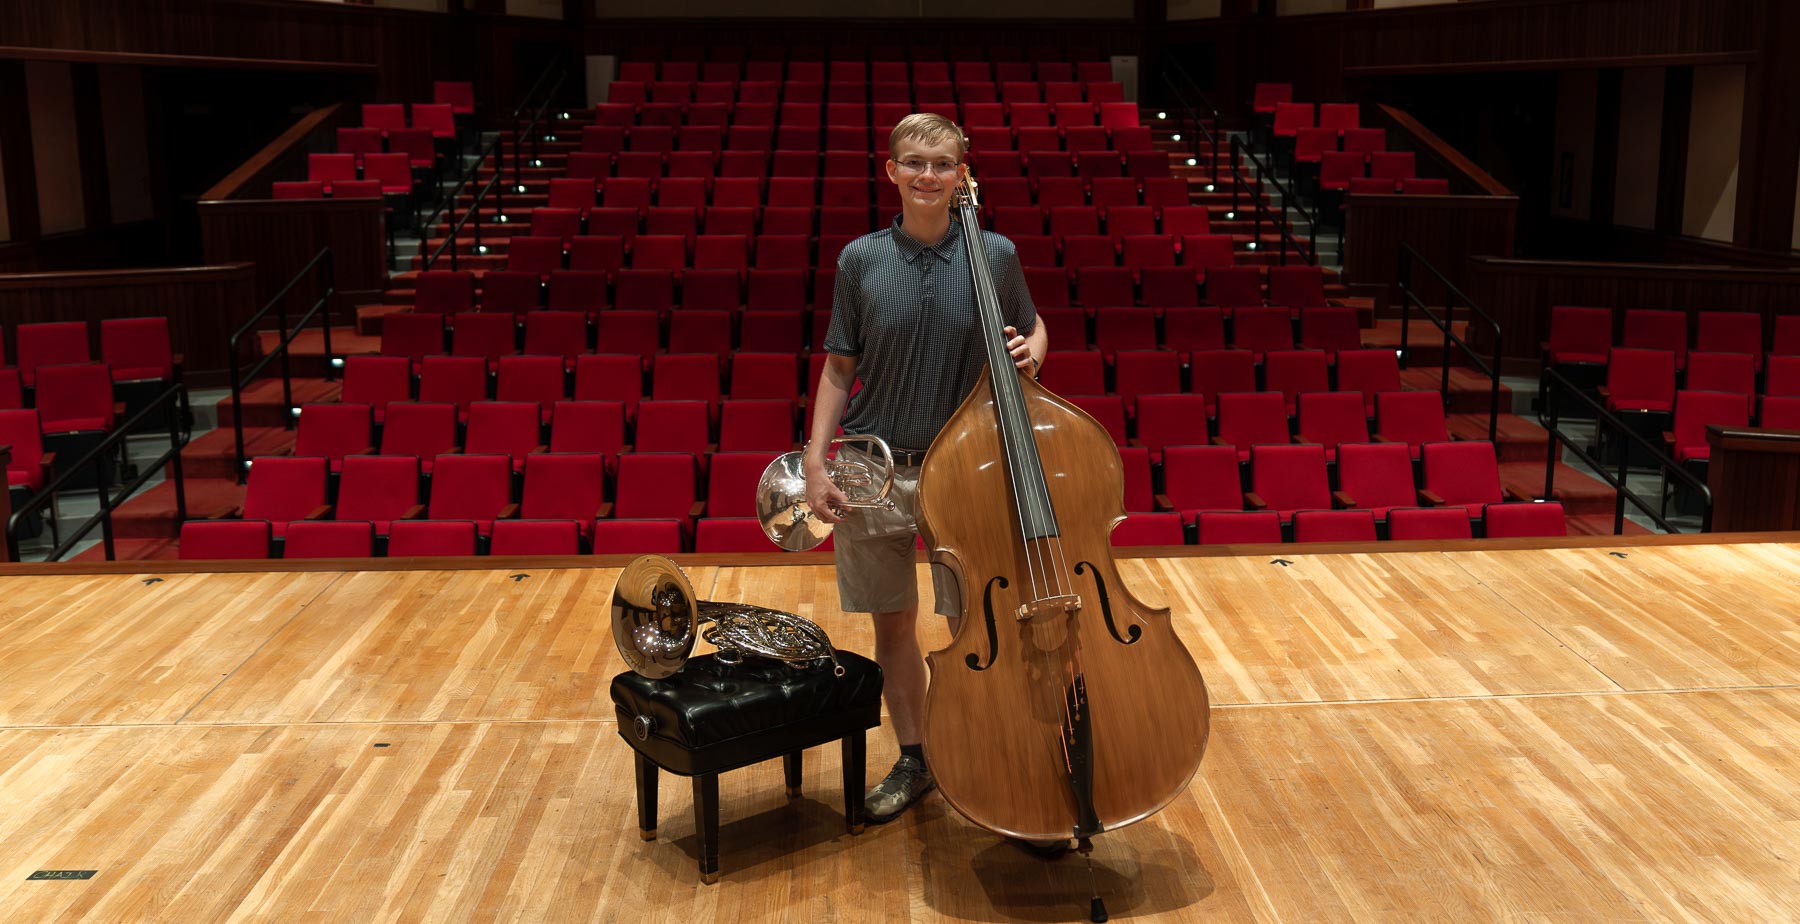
{"type": "Point", "coordinates": [911, 248]}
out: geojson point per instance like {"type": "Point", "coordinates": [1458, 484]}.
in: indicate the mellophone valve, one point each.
{"type": "Point", "coordinates": [781, 494]}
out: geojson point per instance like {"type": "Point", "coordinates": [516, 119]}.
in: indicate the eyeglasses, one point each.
{"type": "Point", "coordinates": [941, 168]}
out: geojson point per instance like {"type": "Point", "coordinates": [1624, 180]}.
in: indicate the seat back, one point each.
{"type": "Point", "coordinates": [1657, 330]}
{"type": "Point", "coordinates": [1466, 473]}
{"type": "Point", "coordinates": [1202, 478]}
{"type": "Point", "coordinates": [334, 430]}
{"type": "Point", "coordinates": [137, 348]}
{"type": "Point", "coordinates": [508, 428]}
{"type": "Point", "coordinates": [1254, 527]}
{"type": "Point", "coordinates": [1368, 372]}
{"type": "Point", "coordinates": [1694, 410]}
{"type": "Point", "coordinates": [1297, 286]}
{"type": "Point", "coordinates": [1411, 417]}
{"type": "Point", "coordinates": [431, 539]}
{"type": "Point", "coordinates": [1331, 418]}
{"type": "Point", "coordinates": [1248, 419]}
{"type": "Point", "coordinates": [283, 489]}
{"type": "Point", "coordinates": [1640, 379]}
{"type": "Point", "coordinates": [656, 484]}
{"type": "Point", "coordinates": [57, 343]}
{"type": "Point", "coordinates": [1428, 523]}
{"type": "Point", "coordinates": [564, 486]}
{"type": "Point", "coordinates": [638, 536]}
{"type": "Point", "coordinates": [1290, 478]}
{"type": "Point", "coordinates": [212, 540]}
{"type": "Point", "coordinates": [422, 429]}
{"type": "Point", "coordinates": [757, 424]}
{"type": "Point", "coordinates": [329, 539]}
{"type": "Point", "coordinates": [1582, 335]}
{"type": "Point", "coordinates": [376, 381]}
{"type": "Point", "coordinates": [377, 488]}
{"type": "Point", "coordinates": [1376, 476]}
{"type": "Point", "coordinates": [1142, 529]}
{"type": "Point", "coordinates": [535, 537]}
{"type": "Point", "coordinates": [731, 482]}
{"type": "Point", "coordinates": [75, 397]}
{"type": "Point", "coordinates": [1334, 526]}
{"type": "Point", "coordinates": [1729, 332]}
{"type": "Point", "coordinates": [467, 487]}
{"type": "Point", "coordinates": [1505, 521]}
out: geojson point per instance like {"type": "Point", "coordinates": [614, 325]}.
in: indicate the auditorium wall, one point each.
{"type": "Point", "coordinates": [1715, 130]}
{"type": "Point", "coordinates": [55, 150]}
{"type": "Point", "coordinates": [127, 143]}
{"type": "Point", "coordinates": [1573, 167]}
{"type": "Point", "coordinates": [1179, 10]}
{"type": "Point", "coordinates": [1640, 147]}
{"type": "Point", "coordinates": [869, 9]}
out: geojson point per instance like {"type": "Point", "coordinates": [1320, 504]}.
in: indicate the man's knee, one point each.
{"type": "Point", "coordinates": [897, 626]}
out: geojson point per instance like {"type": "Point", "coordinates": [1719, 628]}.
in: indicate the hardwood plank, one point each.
{"type": "Point", "coordinates": [113, 649]}
{"type": "Point", "coordinates": [437, 646]}
{"type": "Point", "coordinates": [1663, 617]}
{"type": "Point", "coordinates": [1353, 627]}
{"type": "Point", "coordinates": [521, 822]}
{"type": "Point", "coordinates": [1621, 807]}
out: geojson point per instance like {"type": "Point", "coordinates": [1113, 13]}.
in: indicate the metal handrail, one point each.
{"type": "Point", "coordinates": [320, 307]}
{"type": "Point", "coordinates": [1552, 387]}
{"type": "Point", "coordinates": [496, 149]}
{"type": "Point", "coordinates": [176, 394]}
{"type": "Point", "coordinates": [474, 209]}
{"type": "Point", "coordinates": [1410, 298]}
{"type": "Point", "coordinates": [1209, 128]}
{"type": "Point", "coordinates": [1264, 175]}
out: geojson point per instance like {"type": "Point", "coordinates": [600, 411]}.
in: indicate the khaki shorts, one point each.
{"type": "Point", "coordinates": [875, 567]}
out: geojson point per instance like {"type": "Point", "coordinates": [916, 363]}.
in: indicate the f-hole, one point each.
{"type": "Point", "coordinates": [987, 607]}
{"type": "Point", "coordinates": [1134, 632]}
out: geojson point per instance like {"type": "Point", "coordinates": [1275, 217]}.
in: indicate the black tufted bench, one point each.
{"type": "Point", "coordinates": [711, 717]}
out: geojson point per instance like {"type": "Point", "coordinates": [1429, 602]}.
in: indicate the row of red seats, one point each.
{"type": "Point", "coordinates": [757, 193]}
{"type": "Point", "coordinates": [853, 137]}
{"type": "Point", "coordinates": [203, 540]}
{"type": "Point", "coordinates": [879, 71]}
{"type": "Point", "coordinates": [741, 108]}
{"type": "Point", "coordinates": [1646, 380]}
{"type": "Point", "coordinates": [417, 144]}
{"type": "Point", "coordinates": [1588, 335]}
{"type": "Point", "coordinates": [1694, 411]}
{"type": "Point", "coordinates": [437, 118]}
{"type": "Point", "coordinates": [392, 174]}
{"type": "Point", "coordinates": [135, 348]}
{"type": "Point", "coordinates": [652, 159]}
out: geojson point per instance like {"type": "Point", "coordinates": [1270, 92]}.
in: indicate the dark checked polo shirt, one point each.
{"type": "Point", "coordinates": [906, 311]}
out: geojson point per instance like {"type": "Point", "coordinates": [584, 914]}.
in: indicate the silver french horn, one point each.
{"type": "Point", "coordinates": [781, 494]}
{"type": "Point", "coordinates": [655, 619]}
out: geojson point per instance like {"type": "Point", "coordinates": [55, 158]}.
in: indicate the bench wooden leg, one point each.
{"type": "Point", "coordinates": [706, 824]}
{"type": "Point", "coordinates": [646, 798]}
{"type": "Point", "coordinates": [791, 765]}
{"type": "Point", "coordinates": [855, 757]}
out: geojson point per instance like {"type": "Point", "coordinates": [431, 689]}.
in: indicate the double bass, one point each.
{"type": "Point", "coordinates": [1063, 706]}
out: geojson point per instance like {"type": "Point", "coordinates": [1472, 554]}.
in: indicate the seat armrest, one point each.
{"type": "Point", "coordinates": [1604, 393]}
{"type": "Point", "coordinates": [508, 512]}
{"type": "Point", "coordinates": [1344, 501]}
{"type": "Point", "coordinates": [1515, 494]}
{"type": "Point", "coordinates": [319, 512]}
{"type": "Point", "coordinates": [229, 513]}
{"type": "Point", "coordinates": [1302, 440]}
{"type": "Point", "coordinates": [1378, 438]}
{"type": "Point", "coordinates": [1430, 498]}
{"type": "Point", "coordinates": [1668, 438]}
{"type": "Point", "coordinates": [413, 512]}
{"type": "Point", "coordinates": [47, 461]}
{"type": "Point", "coordinates": [697, 511]}
{"type": "Point", "coordinates": [1254, 501]}
{"type": "Point", "coordinates": [605, 511]}
{"type": "Point", "coordinates": [1163, 505]}
{"type": "Point", "coordinates": [1135, 443]}
{"type": "Point", "coordinates": [536, 450]}
{"type": "Point", "coordinates": [1219, 441]}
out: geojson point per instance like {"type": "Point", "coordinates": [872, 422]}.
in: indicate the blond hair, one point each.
{"type": "Point", "coordinates": [929, 128]}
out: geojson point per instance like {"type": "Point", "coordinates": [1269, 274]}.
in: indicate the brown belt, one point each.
{"type": "Point", "coordinates": [907, 456]}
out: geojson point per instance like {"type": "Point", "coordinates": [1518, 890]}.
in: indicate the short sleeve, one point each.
{"type": "Point", "coordinates": [844, 335]}
{"type": "Point", "coordinates": [1009, 284]}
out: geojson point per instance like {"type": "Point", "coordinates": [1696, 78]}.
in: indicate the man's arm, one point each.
{"type": "Point", "coordinates": [833, 395]}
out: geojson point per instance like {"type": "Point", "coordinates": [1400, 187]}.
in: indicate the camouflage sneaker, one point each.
{"type": "Point", "coordinates": [909, 780]}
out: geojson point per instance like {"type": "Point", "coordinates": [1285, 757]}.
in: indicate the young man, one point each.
{"type": "Point", "coordinates": [904, 322]}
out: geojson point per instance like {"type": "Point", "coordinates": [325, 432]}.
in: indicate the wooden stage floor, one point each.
{"type": "Point", "coordinates": [1571, 732]}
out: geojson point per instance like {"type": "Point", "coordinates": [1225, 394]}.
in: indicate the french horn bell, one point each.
{"type": "Point", "coordinates": [655, 619]}
{"type": "Point", "coordinates": [781, 494]}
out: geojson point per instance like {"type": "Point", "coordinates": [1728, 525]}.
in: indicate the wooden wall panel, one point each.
{"type": "Point", "coordinates": [1446, 230]}
{"type": "Point", "coordinates": [1520, 293]}
{"type": "Point", "coordinates": [203, 305]}
{"type": "Point", "coordinates": [281, 236]}
{"type": "Point", "coordinates": [1754, 476]}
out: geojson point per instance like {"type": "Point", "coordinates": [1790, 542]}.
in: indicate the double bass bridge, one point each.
{"type": "Point", "coordinates": [1060, 605]}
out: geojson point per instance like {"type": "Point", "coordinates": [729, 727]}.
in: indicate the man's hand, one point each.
{"type": "Point", "coordinates": [1021, 352]}
{"type": "Point", "coordinates": [822, 495]}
